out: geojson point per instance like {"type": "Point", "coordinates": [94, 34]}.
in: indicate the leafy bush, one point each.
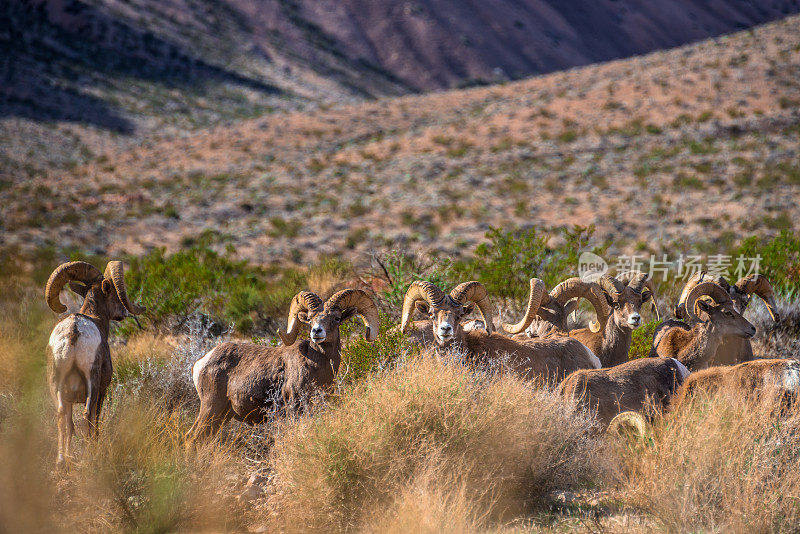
{"type": "Point", "coordinates": [642, 340]}
{"type": "Point", "coordinates": [780, 259]}
{"type": "Point", "coordinates": [402, 269]}
{"type": "Point", "coordinates": [510, 258]}
{"type": "Point", "coordinates": [360, 357]}
{"type": "Point", "coordinates": [495, 444]}
{"type": "Point", "coordinates": [199, 279]}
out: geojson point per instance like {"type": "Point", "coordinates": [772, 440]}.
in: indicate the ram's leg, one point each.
{"type": "Point", "coordinates": [91, 406]}
{"type": "Point", "coordinates": [210, 418]}
{"type": "Point", "coordinates": [101, 397]}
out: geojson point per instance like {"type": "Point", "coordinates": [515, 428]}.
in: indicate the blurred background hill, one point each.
{"type": "Point", "coordinates": [130, 124]}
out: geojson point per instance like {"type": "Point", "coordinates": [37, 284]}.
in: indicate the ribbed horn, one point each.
{"type": "Point", "coordinates": [475, 292]}
{"type": "Point", "coordinates": [612, 287]}
{"type": "Point", "coordinates": [419, 290]}
{"type": "Point", "coordinates": [114, 272]}
{"type": "Point", "coordinates": [64, 273]}
{"type": "Point", "coordinates": [709, 289]}
{"type": "Point", "coordinates": [638, 281]}
{"type": "Point", "coordinates": [576, 287]}
{"type": "Point", "coordinates": [759, 285]}
{"type": "Point", "coordinates": [303, 301]}
{"type": "Point", "coordinates": [364, 306]}
{"type": "Point", "coordinates": [534, 300]}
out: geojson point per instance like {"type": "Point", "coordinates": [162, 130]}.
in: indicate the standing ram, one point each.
{"type": "Point", "coordinates": [245, 381]}
{"type": "Point", "coordinates": [549, 358]}
{"type": "Point", "coordinates": [733, 349]}
{"type": "Point", "coordinates": [78, 357]}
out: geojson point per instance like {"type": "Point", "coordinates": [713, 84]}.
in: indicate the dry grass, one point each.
{"type": "Point", "coordinates": [428, 439]}
{"type": "Point", "coordinates": [720, 464]}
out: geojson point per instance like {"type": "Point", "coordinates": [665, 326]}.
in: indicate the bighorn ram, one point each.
{"type": "Point", "coordinates": [244, 380]}
{"type": "Point", "coordinates": [617, 317]}
{"type": "Point", "coordinates": [79, 360]}
{"type": "Point", "coordinates": [710, 308]}
{"type": "Point", "coordinates": [734, 349]}
{"type": "Point", "coordinates": [554, 308]}
{"type": "Point", "coordinates": [549, 358]}
{"type": "Point", "coordinates": [779, 376]}
{"type": "Point", "coordinates": [628, 386]}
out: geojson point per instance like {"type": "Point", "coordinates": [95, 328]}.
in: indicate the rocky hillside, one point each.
{"type": "Point", "coordinates": [146, 64]}
{"type": "Point", "coordinates": [695, 144]}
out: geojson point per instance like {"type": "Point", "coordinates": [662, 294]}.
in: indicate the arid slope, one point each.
{"type": "Point", "coordinates": [696, 143]}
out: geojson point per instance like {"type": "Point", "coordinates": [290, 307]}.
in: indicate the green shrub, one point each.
{"type": "Point", "coordinates": [360, 357]}
{"type": "Point", "coordinates": [642, 340]}
{"type": "Point", "coordinates": [510, 258]}
{"type": "Point", "coordinates": [780, 258]}
{"type": "Point", "coordinates": [199, 279]}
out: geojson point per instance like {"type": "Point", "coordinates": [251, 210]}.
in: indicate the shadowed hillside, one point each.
{"type": "Point", "coordinates": [698, 143]}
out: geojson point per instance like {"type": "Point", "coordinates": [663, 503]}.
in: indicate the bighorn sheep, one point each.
{"type": "Point", "coordinates": [710, 308]}
{"type": "Point", "coordinates": [628, 386]}
{"type": "Point", "coordinates": [734, 349]}
{"type": "Point", "coordinates": [243, 380]}
{"type": "Point", "coordinates": [79, 360]}
{"type": "Point", "coordinates": [554, 308]}
{"type": "Point", "coordinates": [549, 358]}
{"type": "Point", "coordinates": [617, 317]}
{"type": "Point", "coordinates": [781, 376]}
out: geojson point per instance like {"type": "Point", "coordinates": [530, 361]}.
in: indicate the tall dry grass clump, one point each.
{"type": "Point", "coordinates": [721, 464]}
{"type": "Point", "coordinates": [425, 444]}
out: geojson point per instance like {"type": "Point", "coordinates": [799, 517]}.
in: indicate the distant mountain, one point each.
{"type": "Point", "coordinates": [127, 64]}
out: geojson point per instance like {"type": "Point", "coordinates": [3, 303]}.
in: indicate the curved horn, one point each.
{"type": "Point", "coordinates": [303, 301]}
{"type": "Point", "coordinates": [759, 285]}
{"type": "Point", "coordinates": [638, 281]}
{"type": "Point", "coordinates": [613, 288]}
{"type": "Point", "coordinates": [419, 290]}
{"type": "Point", "coordinates": [475, 292]}
{"type": "Point", "coordinates": [576, 287]}
{"type": "Point", "coordinates": [534, 300]}
{"type": "Point", "coordinates": [67, 272]}
{"type": "Point", "coordinates": [364, 306]}
{"type": "Point", "coordinates": [709, 289]}
{"type": "Point", "coordinates": [115, 273]}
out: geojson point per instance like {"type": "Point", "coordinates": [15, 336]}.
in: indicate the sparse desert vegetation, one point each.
{"type": "Point", "coordinates": [239, 205]}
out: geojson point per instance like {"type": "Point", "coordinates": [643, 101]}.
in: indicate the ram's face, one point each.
{"type": "Point", "coordinates": [446, 318]}
{"type": "Point", "coordinates": [627, 308]}
{"type": "Point", "coordinates": [323, 326]}
{"type": "Point", "coordinates": [740, 299]}
{"type": "Point", "coordinates": [725, 318]}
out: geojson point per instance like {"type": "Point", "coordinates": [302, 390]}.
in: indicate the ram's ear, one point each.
{"type": "Point", "coordinates": [646, 295]}
{"type": "Point", "coordinates": [79, 288]}
{"type": "Point", "coordinates": [422, 306]}
{"type": "Point", "coordinates": [468, 308]}
{"type": "Point", "coordinates": [303, 317]}
{"type": "Point", "coordinates": [347, 314]}
{"type": "Point", "coordinates": [704, 307]}
{"type": "Point", "coordinates": [107, 286]}
{"type": "Point", "coordinates": [610, 300]}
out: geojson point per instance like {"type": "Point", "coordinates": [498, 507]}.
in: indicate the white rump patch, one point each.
{"type": "Point", "coordinates": [592, 358]}
{"type": "Point", "coordinates": [682, 369]}
{"type": "Point", "coordinates": [82, 352]}
{"type": "Point", "coordinates": [198, 367]}
{"type": "Point", "coordinates": [790, 378]}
